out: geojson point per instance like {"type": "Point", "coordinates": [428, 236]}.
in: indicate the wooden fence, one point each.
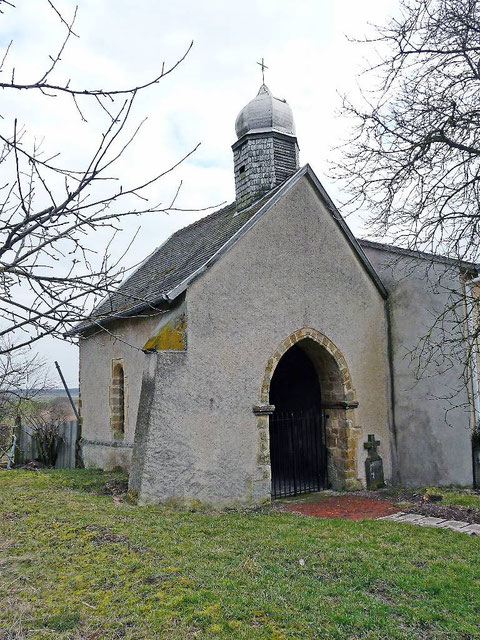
{"type": "Point", "coordinates": [27, 447]}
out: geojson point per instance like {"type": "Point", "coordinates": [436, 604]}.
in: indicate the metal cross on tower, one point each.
{"type": "Point", "coordinates": [263, 66]}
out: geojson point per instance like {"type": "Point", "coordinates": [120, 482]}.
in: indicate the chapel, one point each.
{"type": "Point", "coordinates": [259, 352]}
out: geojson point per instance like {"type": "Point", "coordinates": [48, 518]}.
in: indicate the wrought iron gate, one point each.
{"type": "Point", "coordinates": [298, 452]}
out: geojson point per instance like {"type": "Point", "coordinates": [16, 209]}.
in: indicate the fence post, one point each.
{"type": "Point", "coordinates": [11, 453]}
{"type": "Point", "coordinates": [67, 448]}
{"type": "Point", "coordinates": [74, 438]}
{"type": "Point", "coordinates": [18, 457]}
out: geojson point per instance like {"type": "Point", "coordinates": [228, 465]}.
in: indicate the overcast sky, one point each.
{"type": "Point", "coordinates": [124, 42]}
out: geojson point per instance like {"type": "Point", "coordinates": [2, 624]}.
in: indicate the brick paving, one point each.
{"type": "Point", "coordinates": [361, 507]}
{"type": "Point", "coordinates": [352, 507]}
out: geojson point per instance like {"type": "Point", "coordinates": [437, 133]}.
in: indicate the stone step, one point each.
{"type": "Point", "coordinates": [392, 516]}
{"type": "Point", "coordinates": [430, 521]}
{"type": "Point", "coordinates": [409, 517]}
{"type": "Point", "coordinates": [456, 525]}
{"type": "Point", "coordinates": [472, 529]}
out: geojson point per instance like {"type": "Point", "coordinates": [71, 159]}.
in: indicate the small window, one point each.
{"type": "Point", "coordinates": [117, 401]}
{"type": "Point", "coordinates": [242, 169]}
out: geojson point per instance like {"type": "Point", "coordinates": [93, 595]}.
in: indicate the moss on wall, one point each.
{"type": "Point", "coordinates": [171, 337]}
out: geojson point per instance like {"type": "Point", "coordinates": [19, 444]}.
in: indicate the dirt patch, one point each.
{"type": "Point", "coordinates": [9, 515]}
{"type": "Point", "coordinates": [34, 465]}
{"type": "Point", "coordinates": [352, 507]}
{"type": "Point", "coordinates": [381, 591]}
{"type": "Point", "coordinates": [117, 486]}
{"type": "Point", "coordinates": [105, 535]}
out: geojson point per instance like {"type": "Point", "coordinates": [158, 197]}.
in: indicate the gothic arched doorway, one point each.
{"type": "Point", "coordinates": [298, 452]}
{"type": "Point", "coordinates": [308, 373]}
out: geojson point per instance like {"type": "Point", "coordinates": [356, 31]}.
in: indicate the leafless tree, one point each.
{"type": "Point", "coordinates": [44, 422]}
{"type": "Point", "coordinates": [48, 211]}
{"type": "Point", "coordinates": [22, 378]}
{"type": "Point", "coordinates": [414, 158]}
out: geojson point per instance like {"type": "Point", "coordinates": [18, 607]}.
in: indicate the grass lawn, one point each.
{"type": "Point", "coordinates": [73, 564]}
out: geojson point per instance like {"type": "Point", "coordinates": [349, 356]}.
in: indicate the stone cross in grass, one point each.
{"type": "Point", "coordinates": [371, 444]}
{"type": "Point", "coordinates": [373, 464]}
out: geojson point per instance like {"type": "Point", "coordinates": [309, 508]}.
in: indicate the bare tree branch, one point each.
{"type": "Point", "coordinates": [50, 277]}
{"type": "Point", "coordinates": [414, 158]}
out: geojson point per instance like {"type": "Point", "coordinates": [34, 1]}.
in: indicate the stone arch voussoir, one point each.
{"type": "Point", "coordinates": [322, 340]}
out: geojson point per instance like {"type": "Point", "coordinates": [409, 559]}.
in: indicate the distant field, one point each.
{"type": "Point", "coordinates": [58, 392]}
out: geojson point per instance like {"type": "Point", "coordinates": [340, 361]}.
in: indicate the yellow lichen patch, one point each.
{"type": "Point", "coordinates": [171, 337]}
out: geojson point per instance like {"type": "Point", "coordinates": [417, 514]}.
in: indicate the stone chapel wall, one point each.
{"type": "Point", "coordinates": [100, 354]}
{"type": "Point", "coordinates": [197, 435]}
{"type": "Point", "coordinates": [432, 432]}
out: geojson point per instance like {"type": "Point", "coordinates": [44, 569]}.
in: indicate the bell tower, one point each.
{"type": "Point", "coordinates": [266, 152]}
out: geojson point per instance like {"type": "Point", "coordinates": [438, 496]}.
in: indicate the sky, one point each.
{"type": "Point", "coordinates": [123, 43]}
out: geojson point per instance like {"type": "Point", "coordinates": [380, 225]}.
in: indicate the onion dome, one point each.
{"type": "Point", "coordinates": [265, 113]}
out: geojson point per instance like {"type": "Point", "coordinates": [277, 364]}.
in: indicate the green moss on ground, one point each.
{"type": "Point", "coordinates": [456, 496]}
{"type": "Point", "coordinates": [450, 495]}
{"type": "Point", "coordinates": [76, 564]}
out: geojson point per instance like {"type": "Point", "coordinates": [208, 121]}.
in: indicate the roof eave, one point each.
{"type": "Point", "coordinates": [261, 133]}
{"type": "Point", "coordinates": [133, 311]}
{"type": "Point", "coordinates": [416, 253]}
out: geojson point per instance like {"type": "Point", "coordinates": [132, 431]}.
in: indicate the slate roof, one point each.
{"type": "Point", "coordinates": [167, 272]}
{"type": "Point", "coordinates": [184, 252]}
